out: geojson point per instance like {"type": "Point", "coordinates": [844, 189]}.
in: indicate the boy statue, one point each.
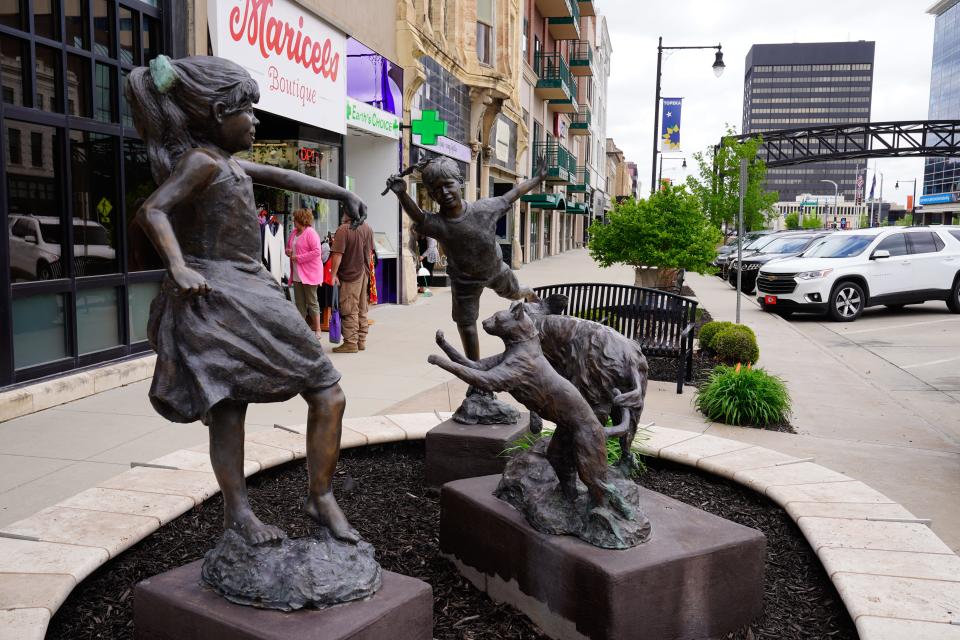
{"type": "Point", "coordinates": [467, 234]}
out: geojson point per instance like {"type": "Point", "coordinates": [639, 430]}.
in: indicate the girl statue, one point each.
{"type": "Point", "coordinates": [224, 334]}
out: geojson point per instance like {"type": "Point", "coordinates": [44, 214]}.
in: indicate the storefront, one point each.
{"type": "Point", "coordinates": [373, 112]}
{"type": "Point", "coordinates": [77, 278]}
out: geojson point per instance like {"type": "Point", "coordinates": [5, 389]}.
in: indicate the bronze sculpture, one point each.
{"type": "Point", "coordinates": [610, 516]}
{"type": "Point", "coordinates": [466, 231]}
{"type": "Point", "coordinates": [224, 333]}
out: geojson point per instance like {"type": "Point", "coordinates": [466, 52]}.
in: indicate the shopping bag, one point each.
{"type": "Point", "coordinates": [336, 334]}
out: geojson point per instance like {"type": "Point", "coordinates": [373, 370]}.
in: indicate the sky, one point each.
{"type": "Point", "coordinates": [902, 30]}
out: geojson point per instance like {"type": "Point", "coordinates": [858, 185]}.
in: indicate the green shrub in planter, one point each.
{"type": "Point", "coordinates": [744, 396]}
{"type": "Point", "coordinates": [736, 344]}
{"type": "Point", "coordinates": [709, 331]}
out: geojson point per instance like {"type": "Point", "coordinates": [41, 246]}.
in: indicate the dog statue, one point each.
{"type": "Point", "coordinates": [578, 446]}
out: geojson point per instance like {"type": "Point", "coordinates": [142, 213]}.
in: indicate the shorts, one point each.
{"type": "Point", "coordinates": [466, 296]}
{"type": "Point", "coordinates": [305, 296]}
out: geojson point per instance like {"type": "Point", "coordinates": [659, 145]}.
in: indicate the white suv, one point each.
{"type": "Point", "coordinates": [851, 270]}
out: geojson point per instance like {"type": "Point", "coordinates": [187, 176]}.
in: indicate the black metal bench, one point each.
{"type": "Point", "coordinates": [661, 322]}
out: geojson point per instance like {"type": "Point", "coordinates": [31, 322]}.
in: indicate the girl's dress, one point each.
{"type": "Point", "coordinates": [243, 341]}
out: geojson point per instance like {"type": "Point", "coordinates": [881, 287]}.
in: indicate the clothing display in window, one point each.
{"type": "Point", "coordinates": [274, 255]}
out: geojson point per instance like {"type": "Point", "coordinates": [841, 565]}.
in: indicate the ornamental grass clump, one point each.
{"type": "Point", "coordinates": [736, 344]}
{"type": "Point", "coordinates": [527, 440]}
{"type": "Point", "coordinates": [744, 396]}
{"type": "Point", "coordinates": [709, 332]}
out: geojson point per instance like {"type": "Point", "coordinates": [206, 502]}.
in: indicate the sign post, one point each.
{"type": "Point", "coordinates": [743, 192]}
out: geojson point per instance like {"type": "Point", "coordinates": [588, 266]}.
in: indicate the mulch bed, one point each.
{"type": "Point", "coordinates": [381, 488]}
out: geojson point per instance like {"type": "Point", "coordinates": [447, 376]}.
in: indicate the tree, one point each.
{"type": "Point", "coordinates": [792, 220]}
{"type": "Point", "coordinates": [719, 192]}
{"type": "Point", "coordinates": [667, 230]}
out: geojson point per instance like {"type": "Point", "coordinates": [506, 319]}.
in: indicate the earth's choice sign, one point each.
{"type": "Point", "coordinates": [298, 60]}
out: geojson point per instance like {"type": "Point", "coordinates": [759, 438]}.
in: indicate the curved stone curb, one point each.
{"type": "Point", "coordinates": [896, 577]}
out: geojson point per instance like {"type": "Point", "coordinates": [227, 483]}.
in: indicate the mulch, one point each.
{"type": "Point", "coordinates": [381, 489]}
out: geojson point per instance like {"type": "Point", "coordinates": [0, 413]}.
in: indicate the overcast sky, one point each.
{"type": "Point", "coordinates": [902, 30]}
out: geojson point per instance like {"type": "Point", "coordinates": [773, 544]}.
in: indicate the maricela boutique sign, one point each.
{"type": "Point", "coordinates": [298, 60]}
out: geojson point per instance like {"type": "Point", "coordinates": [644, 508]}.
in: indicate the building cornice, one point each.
{"type": "Point", "coordinates": [941, 7]}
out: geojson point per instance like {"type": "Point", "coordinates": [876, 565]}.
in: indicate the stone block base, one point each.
{"type": "Point", "coordinates": [175, 606]}
{"type": "Point", "coordinates": [699, 576]}
{"type": "Point", "coordinates": [455, 451]}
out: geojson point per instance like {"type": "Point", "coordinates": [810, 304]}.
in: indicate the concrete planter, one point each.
{"type": "Point", "coordinates": [655, 277]}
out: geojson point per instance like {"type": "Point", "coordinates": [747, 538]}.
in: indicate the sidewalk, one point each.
{"type": "Point", "coordinates": [51, 455]}
{"type": "Point", "coordinates": [901, 444]}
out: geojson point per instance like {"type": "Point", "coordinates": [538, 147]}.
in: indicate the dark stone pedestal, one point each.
{"type": "Point", "coordinates": [175, 606]}
{"type": "Point", "coordinates": [456, 451]}
{"type": "Point", "coordinates": [699, 576]}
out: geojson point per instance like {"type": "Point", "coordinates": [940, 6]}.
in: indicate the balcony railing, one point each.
{"type": "Point", "coordinates": [566, 27]}
{"type": "Point", "coordinates": [581, 58]}
{"type": "Point", "coordinates": [580, 180]}
{"type": "Point", "coordinates": [555, 82]}
{"type": "Point", "coordinates": [558, 159]}
{"type": "Point", "coordinates": [580, 121]}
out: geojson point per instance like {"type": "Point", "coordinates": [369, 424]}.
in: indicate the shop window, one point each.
{"type": "Point", "coordinates": [14, 54]}
{"type": "Point", "coordinates": [13, 14]}
{"type": "Point", "coordinates": [139, 184]}
{"type": "Point", "coordinates": [139, 297]}
{"type": "Point", "coordinates": [46, 18]}
{"type": "Point", "coordinates": [151, 37]}
{"type": "Point", "coordinates": [78, 86]}
{"type": "Point", "coordinates": [15, 153]}
{"type": "Point", "coordinates": [103, 28]}
{"type": "Point", "coordinates": [93, 162]}
{"type": "Point", "coordinates": [485, 17]}
{"type": "Point", "coordinates": [98, 320]}
{"type": "Point", "coordinates": [39, 330]}
{"type": "Point", "coordinates": [104, 94]}
{"type": "Point", "coordinates": [34, 201]}
{"type": "Point", "coordinates": [36, 149]}
{"type": "Point", "coordinates": [75, 19]}
{"type": "Point", "coordinates": [128, 47]}
{"type": "Point", "coordinates": [49, 80]}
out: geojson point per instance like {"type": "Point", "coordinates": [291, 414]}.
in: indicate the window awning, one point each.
{"type": "Point", "coordinates": [577, 207]}
{"type": "Point", "coordinates": [545, 201]}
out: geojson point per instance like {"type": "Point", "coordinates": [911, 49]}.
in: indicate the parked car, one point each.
{"type": "Point", "coordinates": [731, 245]}
{"type": "Point", "coordinates": [852, 270]}
{"type": "Point", "coordinates": [35, 247]}
{"type": "Point", "coordinates": [786, 245]}
{"type": "Point", "coordinates": [723, 262]}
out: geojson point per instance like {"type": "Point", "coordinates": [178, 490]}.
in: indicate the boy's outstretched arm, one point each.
{"type": "Point", "coordinates": [398, 185]}
{"type": "Point", "coordinates": [524, 187]}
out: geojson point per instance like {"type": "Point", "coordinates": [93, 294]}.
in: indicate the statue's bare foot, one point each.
{"type": "Point", "coordinates": [325, 510]}
{"type": "Point", "coordinates": [251, 528]}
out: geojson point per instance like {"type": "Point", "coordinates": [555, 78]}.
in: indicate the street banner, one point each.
{"type": "Point", "coordinates": [859, 194]}
{"type": "Point", "coordinates": [670, 125]}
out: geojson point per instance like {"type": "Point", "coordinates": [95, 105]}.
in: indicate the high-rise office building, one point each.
{"type": "Point", "coordinates": [941, 176]}
{"type": "Point", "coordinates": [789, 86]}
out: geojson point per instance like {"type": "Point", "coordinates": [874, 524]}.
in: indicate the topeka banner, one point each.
{"type": "Point", "coordinates": [297, 59]}
{"type": "Point", "coordinates": [670, 124]}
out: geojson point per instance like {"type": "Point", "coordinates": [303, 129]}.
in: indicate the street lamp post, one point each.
{"type": "Point", "coordinates": [836, 190]}
{"type": "Point", "coordinates": [914, 201]}
{"type": "Point", "coordinates": [718, 68]}
{"type": "Point", "coordinates": [660, 176]}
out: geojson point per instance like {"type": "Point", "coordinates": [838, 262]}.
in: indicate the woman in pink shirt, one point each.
{"type": "Point", "coordinates": [306, 267]}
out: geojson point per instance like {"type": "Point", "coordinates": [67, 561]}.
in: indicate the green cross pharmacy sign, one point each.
{"type": "Point", "coordinates": [363, 117]}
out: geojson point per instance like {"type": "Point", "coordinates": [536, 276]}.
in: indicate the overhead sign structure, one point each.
{"type": "Point", "coordinates": [670, 124]}
{"type": "Point", "coordinates": [365, 117]}
{"type": "Point", "coordinates": [298, 60]}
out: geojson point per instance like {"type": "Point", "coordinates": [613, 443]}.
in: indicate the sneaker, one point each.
{"type": "Point", "coordinates": [346, 348]}
{"type": "Point", "coordinates": [361, 346]}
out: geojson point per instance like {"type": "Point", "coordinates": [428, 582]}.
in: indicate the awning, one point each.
{"type": "Point", "coordinates": [577, 207]}
{"type": "Point", "coordinates": [544, 201]}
